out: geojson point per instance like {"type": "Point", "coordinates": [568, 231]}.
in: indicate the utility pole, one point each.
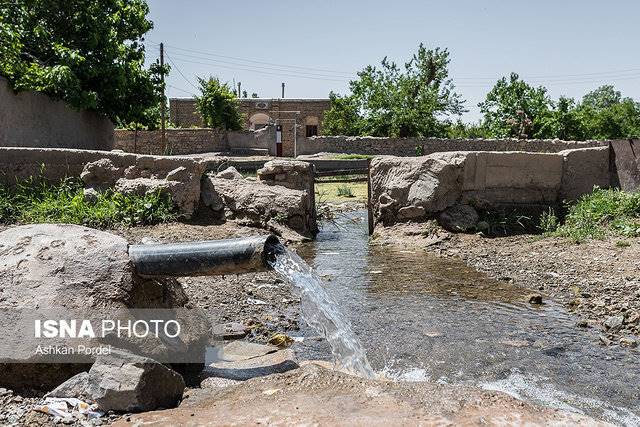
{"type": "Point", "coordinates": [162, 103]}
{"type": "Point", "coordinates": [239, 91]}
{"type": "Point", "coordinates": [282, 90]}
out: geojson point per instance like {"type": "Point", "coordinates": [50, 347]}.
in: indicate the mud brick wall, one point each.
{"type": "Point", "coordinates": [180, 141]}
{"type": "Point", "coordinates": [31, 119]}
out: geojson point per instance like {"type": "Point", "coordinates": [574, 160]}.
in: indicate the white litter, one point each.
{"type": "Point", "coordinates": [68, 408]}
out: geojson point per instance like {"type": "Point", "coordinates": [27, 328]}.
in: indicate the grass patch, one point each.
{"type": "Point", "coordinates": [602, 213]}
{"type": "Point", "coordinates": [330, 193]}
{"type": "Point", "coordinates": [345, 191]}
{"type": "Point", "coordinates": [352, 156]}
{"type": "Point", "coordinates": [38, 201]}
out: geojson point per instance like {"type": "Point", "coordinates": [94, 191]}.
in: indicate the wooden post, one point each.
{"type": "Point", "coordinates": [369, 205]}
{"type": "Point", "coordinates": [163, 136]}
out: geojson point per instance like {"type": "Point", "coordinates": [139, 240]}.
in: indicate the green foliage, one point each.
{"type": "Point", "coordinates": [414, 100]}
{"type": "Point", "coordinates": [88, 53]}
{"type": "Point", "coordinates": [504, 222]}
{"type": "Point", "coordinates": [461, 130]}
{"type": "Point", "coordinates": [344, 191]}
{"type": "Point", "coordinates": [35, 201]}
{"type": "Point", "coordinates": [602, 213]}
{"type": "Point", "coordinates": [548, 221]}
{"type": "Point", "coordinates": [218, 105]}
{"type": "Point", "coordinates": [515, 109]}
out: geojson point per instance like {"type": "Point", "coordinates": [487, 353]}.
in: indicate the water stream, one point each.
{"type": "Point", "coordinates": [419, 317]}
{"type": "Point", "coordinates": [322, 313]}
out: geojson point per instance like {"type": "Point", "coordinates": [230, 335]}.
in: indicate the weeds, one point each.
{"type": "Point", "coordinates": [352, 156]}
{"type": "Point", "coordinates": [548, 221]}
{"type": "Point", "coordinates": [345, 191]}
{"type": "Point", "coordinates": [602, 213]}
{"type": "Point", "coordinates": [36, 201]}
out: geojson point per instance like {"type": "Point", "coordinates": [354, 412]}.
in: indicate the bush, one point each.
{"type": "Point", "coordinates": [345, 191]}
{"type": "Point", "coordinates": [36, 201]}
{"type": "Point", "coordinates": [603, 213]}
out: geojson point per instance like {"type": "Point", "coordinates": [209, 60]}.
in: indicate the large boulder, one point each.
{"type": "Point", "coordinates": [260, 205]}
{"type": "Point", "coordinates": [288, 173]}
{"type": "Point", "coordinates": [150, 174]}
{"type": "Point", "coordinates": [56, 271]}
{"type": "Point", "coordinates": [426, 185]}
{"type": "Point", "coordinates": [124, 382]}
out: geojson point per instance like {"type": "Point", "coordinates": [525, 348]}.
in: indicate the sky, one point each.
{"type": "Point", "coordinates": [314, 47]}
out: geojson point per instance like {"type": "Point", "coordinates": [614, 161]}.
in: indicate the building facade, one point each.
{"type": "Point", "coordinates": [293, 118]}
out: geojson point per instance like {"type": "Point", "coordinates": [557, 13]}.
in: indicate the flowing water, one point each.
{"type": "Point", "coordinates": [419, 317]}
{"type": "Point", "coordinates": [323, 314]}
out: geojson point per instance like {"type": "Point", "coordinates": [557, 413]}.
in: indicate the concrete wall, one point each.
{"type": "Point", "coordinates": [407, 146]}
{"type": "Point", "coordinates": [406, 188]}
{"type": "Point", "coordinates": [31, 119]}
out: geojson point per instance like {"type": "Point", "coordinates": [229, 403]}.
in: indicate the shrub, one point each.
{"type": "Point", "coordinates": [602, 213]}
{"type": "Point", "coordinates": [345, 191]}
{"type": "Point", "coordinates": [35, 201]}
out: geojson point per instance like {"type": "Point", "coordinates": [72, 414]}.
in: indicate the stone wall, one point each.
{"type": "Point", "coordinates": [31, 119]}
{"type": "Point", "coordinates": [179, 141]}
{"type": "Point", "coordinates": [56, 164]}
{"type": "Point", "coordinates": [406, 147]}
{"type": "Point", "coordinates": [196, 141]}
{"type": "Point", "coordinates": [416, 188]}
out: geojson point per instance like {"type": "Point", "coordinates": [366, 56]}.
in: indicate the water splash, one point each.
{"type": "Point", "coordinates": [321, 313]}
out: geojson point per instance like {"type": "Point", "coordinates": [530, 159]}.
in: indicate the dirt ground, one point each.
{"type": "Point", "coordinates": [313, 395]}
{"type": "Point", "coordinates": [597, 280]}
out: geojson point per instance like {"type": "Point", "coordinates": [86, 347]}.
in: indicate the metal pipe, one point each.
{"type": "Point", "coordinates": [205, 258]}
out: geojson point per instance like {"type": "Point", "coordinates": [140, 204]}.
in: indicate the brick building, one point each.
{"type": "Point", "coordinates": [292, 117]}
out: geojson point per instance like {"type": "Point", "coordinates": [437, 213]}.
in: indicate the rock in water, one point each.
{"type": "Point", "coordinates": [67, 270]}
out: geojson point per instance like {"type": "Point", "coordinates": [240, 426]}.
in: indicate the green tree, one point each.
{"type": "Point", "coordinates": [513, 108]}
{"type": "Point", "coordinates": [605, 114]}
{"type": "Point", "coordinates": [218, 105]}
{"type": "Point", "coordinates": [563, 121]}
{"type": "Point", "coordinates": [415, 100]}
{"type": "Point", "coordinates": [88, 53]}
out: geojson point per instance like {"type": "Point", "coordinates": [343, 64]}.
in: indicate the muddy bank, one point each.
{"type": "Point", "coordinates": [596, 280]}
{"type": "Point", "coordinates": [313, 395]}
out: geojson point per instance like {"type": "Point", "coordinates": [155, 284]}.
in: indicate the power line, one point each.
{"type": "Point", "coordinates": [262, 72]}
{"type": "Point", "coordinates": [181, 90]}
{"type": "Point", "coordinates": [259, 67]}
{"type": "Point", "coordinates": [258, 62]}
{"type": "Point", "coordinates": [181, 73]}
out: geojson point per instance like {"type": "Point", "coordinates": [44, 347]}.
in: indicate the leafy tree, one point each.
{"type": "Point", "coordinates": [468, 130]}
{"type": "Point", "coordinates": [563, 121]}
{"type": "Point", "coordinates": [218, 105]}
{"type": "Point", "coordinates": [605, 114]}
{"type": "Point", "coordinates": [88, 53]}
{"type": "Point", "coordinates": [513, 108]}
{"type": "Point", "coordinates": [415, 100]}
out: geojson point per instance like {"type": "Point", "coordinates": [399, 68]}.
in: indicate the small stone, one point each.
{"type": "Point", "coordinates": [582, 323]}
{"type": "Point", "coordinates": [628, 342]}
{"type": "Point", "coordinates": [613, 323]}
{"type": "Point", "coordinates": [604, 340]}
{"type": "Point", "coordinates": [535, 299]}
